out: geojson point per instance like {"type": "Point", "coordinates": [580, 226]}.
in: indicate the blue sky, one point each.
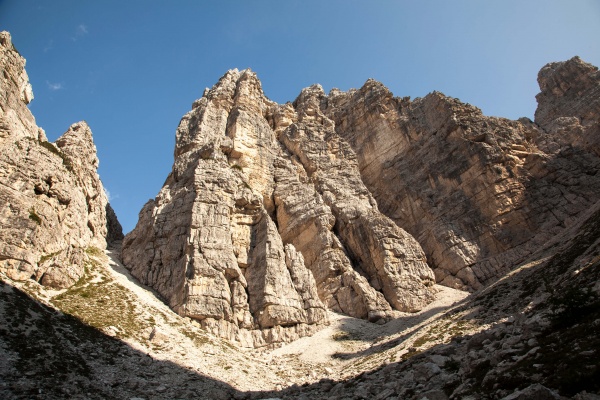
{"type": "Point", "coordinates": [131, 68]}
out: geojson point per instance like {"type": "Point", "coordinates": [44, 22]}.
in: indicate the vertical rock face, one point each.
{"type": "Point", "coordinates": [52, 203]}
{"type": "Point", "coordinates": [16, 121]}
{"type": "Point", "coordinates": [264, 222]}
{"type": "Point", "coordinates": [479, 193]}
{"type": "Point", "coordinates": [357, 201]}
{"type": "Point", "coordinates": [569, 104]}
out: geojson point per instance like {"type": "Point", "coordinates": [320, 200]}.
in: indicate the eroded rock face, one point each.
{"type": "Point", "coordinates": [16, 121]}
{"type": "Point", "coordinates": [569, 104]}
{"type": "Point", "coordinates": [480, 194]}
{"type": "Point", "coordinates": [52, 204]}
{"type": "Point", "coordinates": [368, 196]}
{"type": "Point", "coordinates": [264, 222]}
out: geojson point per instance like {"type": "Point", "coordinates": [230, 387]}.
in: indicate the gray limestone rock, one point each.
{"type": "Point", "coordinates": [480, 194]}
{"type": "Point", "coordinates": [381, 196]}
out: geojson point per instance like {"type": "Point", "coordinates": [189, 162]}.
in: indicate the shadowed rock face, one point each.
{"type": "Point", "coordinates": [52, 203]}
{"type": "Point", "coordinates": [479, 193]}
{"type": "Point", "coordinates": [265, 222]}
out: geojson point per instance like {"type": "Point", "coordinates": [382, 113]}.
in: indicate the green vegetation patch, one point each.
{"type": "Point", "coordinates": [34, 216]}
{"type": "Point", "coordinates": [102, 304]}
{"type": "Point", "coordinates": [94, 252]}
{"type": "Point", "coordinates": [198, 338]}
{"type": "Point", "coordinates": [47, 257]}
{"type": "Point", "coordinates": [411, 353]}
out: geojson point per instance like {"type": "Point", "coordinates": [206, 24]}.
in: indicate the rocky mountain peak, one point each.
{"type": "Point", "coordinates": [378, 196]}
{"type": "Point", "coordinates": [53, 206]}
{"type": "Point", "coordinates": [16, 120]}
{"type": "Point", "coordinates": [568, 104]}
{"type": "Point", "coordinates": [273, 216]}
{"type": "Point", "coordinates": [77, 143]}
{"type": "Point", "coordinates": [277, 198]}
{"type": "Point", "coordinates": [24, 89]}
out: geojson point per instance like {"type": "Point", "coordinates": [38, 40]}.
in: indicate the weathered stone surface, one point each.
{"type": "Point", "coordinates": [391, 259]}
{"type": "Point", "coordinates": [258, 226]}
{"type": "Point", "coordinates": [307, 222]}
{"type": "Point", "coordinates": [52, 203]}
{"type": "Point", "coordinates": [208, 242]}
{"type": "Point", "coordinates": [256, 252]}
{"type": "Point", "coordinates": [16, 121]}
{"type": "Point", "coordinates": [569, 104]}
{"type": "Point", "coordinates": [340, 177]}
{"type": "Point", "coordinates": [479, 193]}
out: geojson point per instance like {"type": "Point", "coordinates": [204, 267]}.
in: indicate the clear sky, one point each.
{"type": "Point", "coordinates": [132, 68]}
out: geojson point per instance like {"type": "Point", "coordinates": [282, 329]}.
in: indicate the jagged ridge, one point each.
{"type": "Point", "coordinates": [52, 202]}
{"type": "Point", "coordinates": [252, 178]}
{"type": "Point", "coordinates": [265, 208]}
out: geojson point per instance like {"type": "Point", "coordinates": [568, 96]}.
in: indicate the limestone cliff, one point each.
{"type": "Point", "coordinates": [480, 194]}
{"type": "Point", "coordinates": [52, 203]}
{"type": "Point", "coordinates": [361, 192]}
{"type": "Point", "coordinates": [569, 105]}
{"type": "Point", "coordinates": [264, 222]}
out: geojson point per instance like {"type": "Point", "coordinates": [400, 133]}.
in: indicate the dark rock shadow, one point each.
{"type": "Point", "coordinates": [412, 321]}
{"type": "Point", "coordinates": [46, 354]}
{"type": "Point", "coordinates": [114, 230]}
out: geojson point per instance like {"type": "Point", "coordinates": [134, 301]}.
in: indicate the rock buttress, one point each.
{"type": "Point", "coordinates": [52, 202]}
{"type": "Point", "coordinates": [251, 237]}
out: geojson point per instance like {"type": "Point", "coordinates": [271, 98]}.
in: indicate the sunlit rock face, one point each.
{"type": "Point", "coordinates": [265, 222]}
{"type": "Point", "coordinates": [53, 208]}
{"type": "Point", "coordinates": [357, 201]}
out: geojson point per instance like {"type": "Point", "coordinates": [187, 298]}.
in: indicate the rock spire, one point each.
{"type": "Point", "coordinates": [53, 206]}
{"type": "Point", "coordinates": [264, 223]}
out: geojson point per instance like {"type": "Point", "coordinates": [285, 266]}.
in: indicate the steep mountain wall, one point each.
{"type": "Point", "coordinates": [264, 223]}
{"type": "Point", "coordinates": [480, 194]}
{"type": "Point", "coordinates": [52, 203]}
{"type": "Point", "coordinates": [357, 201]}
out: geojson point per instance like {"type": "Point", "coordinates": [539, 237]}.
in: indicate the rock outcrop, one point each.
{"type": "Point", "coordinates": [264, 222]}
{"type": "Point", "coordinates": [480, 194]}
{"type": "Point", "coordinates": [370, 189]}
{"type": "Point", "coordinates": [52, 203]}
{"type": "Point", "coordinates": [569, 104]}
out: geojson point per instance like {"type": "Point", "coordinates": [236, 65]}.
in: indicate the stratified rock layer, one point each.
{"type": "Point", "coordinates": [264, 222]}
{"type": "Point", "coordinates": [52, 203]}
{"type": "Point", "coordinates": [479, 193]}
